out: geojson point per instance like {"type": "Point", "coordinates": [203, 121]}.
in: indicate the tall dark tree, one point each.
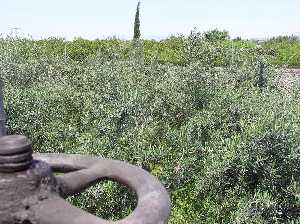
{"type": "Point", "coordinates": [137, 32]}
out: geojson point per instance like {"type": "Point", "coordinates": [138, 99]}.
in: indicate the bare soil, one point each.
{"type": "Point", "coordinates": [290, 76]}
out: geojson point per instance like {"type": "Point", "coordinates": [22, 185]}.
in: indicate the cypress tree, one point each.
{"type": "Point", "coordinates": [137, 32]}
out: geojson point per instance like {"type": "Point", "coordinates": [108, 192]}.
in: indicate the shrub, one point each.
{"type": "Point", "coordinates": [216, 35]}
{"type": "Point", "coordinates": [216, 130]}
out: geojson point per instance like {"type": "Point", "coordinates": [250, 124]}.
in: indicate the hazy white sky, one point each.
{"type": "Point", "coordinates": [159, 18]}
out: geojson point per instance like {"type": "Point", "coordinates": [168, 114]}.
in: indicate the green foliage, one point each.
{"type": "Point", "coordinates": [287, 51]}
{"type": "Point", "coordinates": [283, 50]}
{"type": "Point", "coordinates": [165, 51]}
{"type": "Point", "coordinates": [216, 35]}
{"type": "Point", "coordinates": [237, 39]}
{"type": "Point", "coordinates": [89, 200]}
{"type": "Point", "coordinates": [213, 126]}
{"type": "Point", "coordinates": [284, 39]}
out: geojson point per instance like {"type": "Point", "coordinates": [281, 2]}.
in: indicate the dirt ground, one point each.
{"type": "Point", "coordinates": [290, 76]}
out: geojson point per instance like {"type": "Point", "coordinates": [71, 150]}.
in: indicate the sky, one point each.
{"type": "Point", "coordinates": [91, 19]}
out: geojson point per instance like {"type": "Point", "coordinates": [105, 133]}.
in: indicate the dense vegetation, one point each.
{"type": "Point", "coordinates": [287, 50]}
{"type": "Point", "coordinates": [204, 114]}
{"type": "Point", "coordinates": [284, 50]}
